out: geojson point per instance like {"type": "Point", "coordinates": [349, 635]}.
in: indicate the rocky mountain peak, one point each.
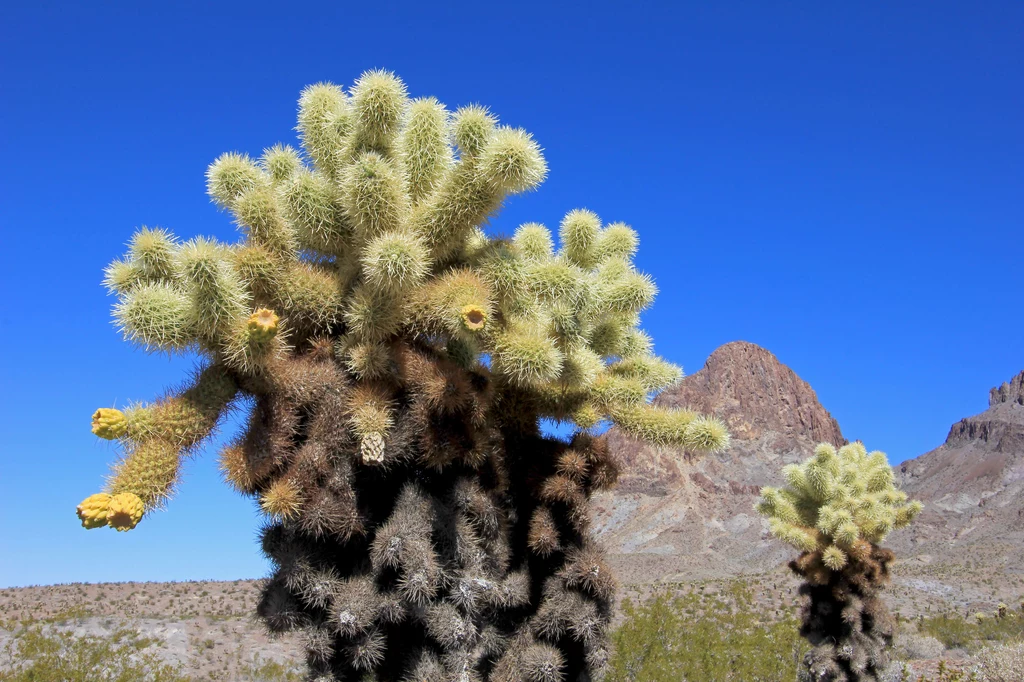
{"type": "Point", "coordinates": [754, 393]}
{"type": "Point", "coordinates": [671, 505]}
{"type": "Point", "coordinates": [773, 415]}
{"type": "Point", "coordinates": [1011, 391]}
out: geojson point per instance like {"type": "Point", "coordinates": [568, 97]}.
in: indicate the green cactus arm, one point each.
{"type": "Point", "coordinates": [218, 295]}
{"type": "Point", "coordinates": [373, 196]}
{"type": "Point", "coordinates": [280, 162]}
{"type": "Point", "coordinates": [424, 147]}
{"type": "Point", "coordinates": [157, 317]}
{"type": "Point", "coordinates": [313, 204]}
{"type": "Point", "coordinates": [671, 427]}
{"type": "Point", "coordinates": [379, 102]}
{"type": "Point", "coordinates": [324, 124]}
{"type": "Point", "coordinates": [264, 221]}
{"type": "Point", "coordinates": [230, 176]}
{"type": "Point", "coordinates": [149, 469]}
{"type": "Point", "coordinates": [152, 251]}
{"type": "Point", "coordinates": [185, 418]}
{"type": "Point", "coordinates": [395, 262]}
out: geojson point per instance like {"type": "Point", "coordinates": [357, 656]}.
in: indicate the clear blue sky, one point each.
{"type": "Point", "coordinates": [841, 183]}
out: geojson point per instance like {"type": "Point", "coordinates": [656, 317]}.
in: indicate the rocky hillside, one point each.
{"type": "Point", "coordinates": [680, 518]}
{"type": "Point", "coordinates": [973, 487]}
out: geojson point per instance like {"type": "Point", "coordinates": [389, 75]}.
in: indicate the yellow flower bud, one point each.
{"type": "Point", "coordinates": [109, 423]}
{"type": "Point", "coordinates": [263, 325]}
{"type": "Point", "coordinates": [125, 511]}
{"type": "Point", "coordinates": [93, 510]}
{"type": "Point", "coordinates": [474, 317]}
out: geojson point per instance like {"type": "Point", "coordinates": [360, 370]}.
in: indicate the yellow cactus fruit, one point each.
{"type": "Point", "coordinates": [109, 423]}
{"type": "Point", "coordinates": [124, 512]}
{"type": "Point", "coordinates": [93, 510]}
{"type": "Point", "coordinates": [474, 317]}
{"type": "Point", "coordinates": [263, 325]}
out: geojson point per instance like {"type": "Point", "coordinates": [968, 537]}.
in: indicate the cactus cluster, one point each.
{"type": "Point", "coordinates": [396, 363]}
{"type": "Point", "coordinates": [837, 507]}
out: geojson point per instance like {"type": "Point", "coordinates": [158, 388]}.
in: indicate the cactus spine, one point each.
{"type": "Point", "coordinates": [837, 508]}
{"type": "Point", "coordinates": [421, 526]}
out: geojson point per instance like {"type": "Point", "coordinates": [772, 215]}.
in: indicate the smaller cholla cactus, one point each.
{"type": "Point", "coordinates": [837, 507]}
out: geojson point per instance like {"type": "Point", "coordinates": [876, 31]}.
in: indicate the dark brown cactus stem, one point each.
{"type": "Point", "coordinates": [425, 562]}
{"type": "Point", "coordinates": [845, 619]}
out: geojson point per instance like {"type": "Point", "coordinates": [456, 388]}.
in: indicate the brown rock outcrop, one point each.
{"type": "Point", "coordinates": [753, 392]}
{"type": "Point", "coordinates": [1011, 391]}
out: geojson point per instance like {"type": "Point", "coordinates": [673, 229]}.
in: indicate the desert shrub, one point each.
{"type": "Point", "coordinates": [911, 645]}
{"type": "Point", "coordinates": [269, 671]}
{"type": "Point", "coordinates": [945, 673]}
{"type": "Point", "coordinates": [1002, 663]}
{"type": "Point", "coordinates": [704, 638]}
{"type": "Point", "coordinates": [44, 654]}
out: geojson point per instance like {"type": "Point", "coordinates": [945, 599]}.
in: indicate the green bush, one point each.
{"type": "Point", "coordinates": [972, 634]}
{"type": "Point", "coordinates": [40, 654]}
{"type": "Point", "coordinates": [269, 671]}
{"type": "Point", "coordinates": [705, 637]}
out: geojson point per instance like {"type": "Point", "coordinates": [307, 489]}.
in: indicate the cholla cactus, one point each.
{"type": "Point", "coordinates": [837, 508]}
{"type": "Point", "coordinates": [397, 362]}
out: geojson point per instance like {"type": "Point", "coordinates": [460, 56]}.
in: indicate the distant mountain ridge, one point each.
{"type": "Point", "coordinates": [680, 517]}
{"type": "Point", "coordinates": [973, 487]}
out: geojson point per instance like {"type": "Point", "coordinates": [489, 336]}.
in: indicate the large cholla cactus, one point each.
{"type": "Point", "coordinates": [396, 362]}
{"type": "Point", "coordinates": [837, 508]}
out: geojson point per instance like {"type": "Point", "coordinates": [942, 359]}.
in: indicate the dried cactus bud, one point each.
{"type": "Point", "coordinates": [371, 447]}
{"type": "Point", "coordinates": [474, 317]}
{"type": "Point", "coordinates": [109, 423]}
{"type": "Point", "coordinates": [93, 510]}
{"type": "Point", "coordinates": [263, 326]}
{"type": "Point", "coordinates": [124, 511]}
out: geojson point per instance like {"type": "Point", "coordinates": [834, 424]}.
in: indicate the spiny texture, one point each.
{"type": "Point", "coordinates": [837, 507]}
{"type": "Point", "coordinates": [396, 362]}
